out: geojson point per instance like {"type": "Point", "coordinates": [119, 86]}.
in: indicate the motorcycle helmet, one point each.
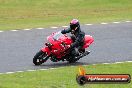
{"type": "Point", "coordinates": [74, 25]}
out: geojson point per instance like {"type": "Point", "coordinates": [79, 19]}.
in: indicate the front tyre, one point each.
{"type": "Point", "coordinates": [38, 58]}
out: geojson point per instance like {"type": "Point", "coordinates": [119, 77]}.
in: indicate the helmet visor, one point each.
{"type": "Point", "coordinates": [73, 26]}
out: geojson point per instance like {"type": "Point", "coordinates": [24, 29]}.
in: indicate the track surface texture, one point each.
{"type": "Point", "coordinates": [113, 43]}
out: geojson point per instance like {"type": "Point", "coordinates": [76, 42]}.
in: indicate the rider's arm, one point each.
{"type": "Point", "coordinates": [79, 39]}
{"type": "Point", "coordinates": [66, 31]}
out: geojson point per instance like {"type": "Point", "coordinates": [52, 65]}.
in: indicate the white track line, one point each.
{"type": "Point", "coordinates": [128, 21]}
{"type": "Point", "coordinates": [1, 31]}
{"type": "Point", "coordinates": [106, 63]}
{"type": "Point", "coordinates": [56, 68]}
{"type": "Point", "coordinates": [43, 69]}
{"type": "Point", "coordinates": [53, 68]}
{"type": "Point", "coordinates": [60, 67]}
{"type": "Point", "coordinates": [88, 24]}
{"type": "Point", "coordinates": [67, 26]}
{"type": "Point", "coordinates": [116, 22]}
{"type": "Point", "coordinates": [119, 62]}
{"type": "Point", "coordinates": [54, 27]}
{"type": "Point", "coordinates": [9, 72]}
{"type": "Point", "coordinates": [19, 71]}
{"type": "Point", "coordinates": [64, 26]}
{"type": "Point", "coordinates": [103, 23]}
{"type": "Point", "coordinates": [31, 70]}
{"type": "Point", "coordinates": [40, 28]}
{"type": "Point", "coordinates": [128, 61]}
{"type": "Point", "coordinates": [14, 30]}
{"type": "Point", "coordinates": [94, 64]}
{"type": "Point", "coordinates": [26, 29]}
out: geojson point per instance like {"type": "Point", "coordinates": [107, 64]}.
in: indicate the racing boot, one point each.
{"type": "Point", "coordinates": [82, 55]}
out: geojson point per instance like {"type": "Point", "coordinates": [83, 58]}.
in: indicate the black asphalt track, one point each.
{"type": "Point", "coordinates": [113, 43]}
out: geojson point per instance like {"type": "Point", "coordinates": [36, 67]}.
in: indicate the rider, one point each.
{"type": "Point", "coordinates": [77, 35]}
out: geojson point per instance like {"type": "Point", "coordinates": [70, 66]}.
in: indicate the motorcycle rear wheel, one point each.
{"type": "Point", "coordinates": [38, 58]}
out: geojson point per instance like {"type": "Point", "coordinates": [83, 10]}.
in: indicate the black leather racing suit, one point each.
{"type": "Point", "coordinates": [77, 37]}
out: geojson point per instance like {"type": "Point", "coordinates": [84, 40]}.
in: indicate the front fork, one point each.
{"type": "Point", "coordinates": [47, 57]}
{"type": "Point", "coordinates": [47, 51]}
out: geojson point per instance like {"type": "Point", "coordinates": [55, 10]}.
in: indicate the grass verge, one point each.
{"type": "Point", "coordinates": [19, 14]}
{"type": "Point", "coordinates": [64, 77]}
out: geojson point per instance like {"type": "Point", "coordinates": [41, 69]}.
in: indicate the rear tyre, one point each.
{"type": "Point", "coordinates": [38, 58]}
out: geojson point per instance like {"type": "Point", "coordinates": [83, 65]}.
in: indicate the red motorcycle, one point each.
{"type": "Point", "coordinates": [56, 49]}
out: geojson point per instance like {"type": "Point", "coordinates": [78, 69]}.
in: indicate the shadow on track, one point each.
{"type": "Point", "coordinates": [59, 64]}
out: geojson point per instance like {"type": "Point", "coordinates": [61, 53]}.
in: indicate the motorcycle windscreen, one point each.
{"type": "Point", "coordinates": [62, 37]}
{"type": "Point", "coordinates": [55, 38]}
{"type": "Point", "coordinates": [57, 35]}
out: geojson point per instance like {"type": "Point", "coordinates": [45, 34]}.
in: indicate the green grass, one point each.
{"type": "Point", "coordinates": [64, 77]}
{"type": "Point", "coordinates": [19, 14]}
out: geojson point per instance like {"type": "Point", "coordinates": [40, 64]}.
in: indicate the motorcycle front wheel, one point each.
{"type": "Point", "coordinates": [39, 58]}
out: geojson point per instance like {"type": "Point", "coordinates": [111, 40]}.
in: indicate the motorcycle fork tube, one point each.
{"type": "Point", "coordinates": [46, 58]}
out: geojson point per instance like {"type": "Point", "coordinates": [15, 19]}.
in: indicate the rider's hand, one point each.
{"type": "Point", "coordinates": [63, 31]}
